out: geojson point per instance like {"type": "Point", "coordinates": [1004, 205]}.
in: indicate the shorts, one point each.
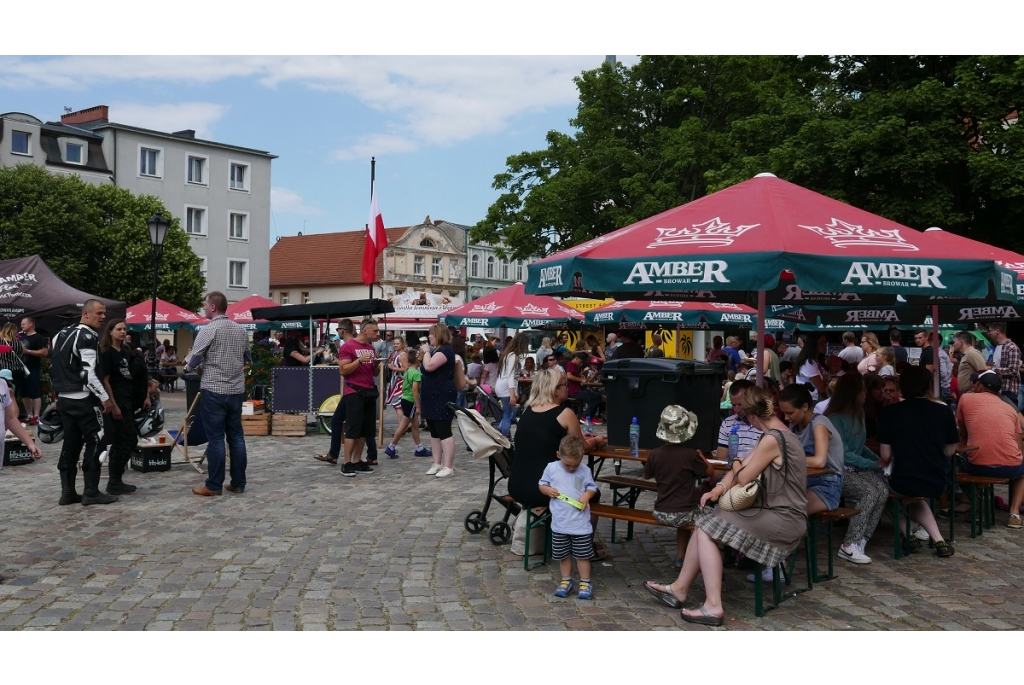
{"type": "Point", "coordinates": [577, 546]}
{"type": "Point", "coordinates": [440, 429]}
{"type": "Point", "coordinates": [30, 386]}
{"type": "Point", "coordinates": [360, 416]}
{"type": "Point", "coordinates": [993, 471]}
{"type": "Point", "coordinates": [828, 487]}
{"type": "Point", "coordinates": [408, 409]}
{"type": "Point", "coordinates": [676, 519]}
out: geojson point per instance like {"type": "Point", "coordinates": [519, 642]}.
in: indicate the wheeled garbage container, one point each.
{"type": "Point", "coordinates": [643, 387]}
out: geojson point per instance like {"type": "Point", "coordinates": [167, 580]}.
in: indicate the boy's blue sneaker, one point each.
{"type": "Point", "coordinates": [586, 592]}
{"type": "Point", "coordinates": [391, 452]}
{"type": "Point", "coordinates": [564, 588]}
{"type": "Point", "coordinates": [423, 453]}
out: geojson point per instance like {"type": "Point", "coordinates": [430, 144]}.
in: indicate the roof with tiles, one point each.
{"type": "Point", "coordinates": [323, 258]}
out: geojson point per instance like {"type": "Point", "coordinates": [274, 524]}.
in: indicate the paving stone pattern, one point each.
{"type": "Point", "coordinates": [306, 549]}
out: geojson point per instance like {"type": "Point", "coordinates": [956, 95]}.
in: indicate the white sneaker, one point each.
{"type": "Point", "coordinates": [103, 457]}
{"type": "Point", "coordinates": [434, 468]}
{"type": "Point", "coordinates": [922, 535]}
{"type": "Point", "coordinates": [766, 574]}
{"type": "Point", "coordinates": [444, 473]}
{"type": "Point", "coordinates": [853, 553]}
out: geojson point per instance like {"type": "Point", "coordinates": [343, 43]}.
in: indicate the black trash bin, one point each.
{"type": "Point", "coordinates": [197, 432]}
{"type": "Point", "coordinates": [643, 387]}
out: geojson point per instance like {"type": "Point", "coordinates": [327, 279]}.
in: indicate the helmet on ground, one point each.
{"type": "Point", "coordinates": [150, 421]}
{"type": "Point", "coordinates": [50, 428]}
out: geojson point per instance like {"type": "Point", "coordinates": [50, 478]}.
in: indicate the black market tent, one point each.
{"type": "Point", "coordinates": [28, 287]}
{"type": "Point", "coordinates": [316, 311]}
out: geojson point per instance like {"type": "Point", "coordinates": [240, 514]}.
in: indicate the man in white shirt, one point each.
{"type": "Point", "coordinates": [851, 352]}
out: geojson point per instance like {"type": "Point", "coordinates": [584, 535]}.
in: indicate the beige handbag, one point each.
{"type": "Point", "coordinates": [740, 497]}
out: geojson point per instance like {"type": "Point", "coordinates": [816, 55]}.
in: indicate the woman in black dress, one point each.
{"type": "Point", "coordinates": [437, 390]}
{"type": "Point", "coordinates": [119, 425]}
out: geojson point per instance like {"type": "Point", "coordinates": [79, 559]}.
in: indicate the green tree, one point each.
{"type": "Point", "coordinates": [94, 237]}
{"type": "Point", "coordinates": [925, 141]}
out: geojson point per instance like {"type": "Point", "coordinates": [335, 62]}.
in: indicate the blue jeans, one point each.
{"type": "Point", "coordinates": [508, 412]}
{"type": "Point", "coordinates": [222, 416]}
{"type": "Point", "coordinates": [338, 434]}
{"type": "Point", "coordinates": [460, 398]}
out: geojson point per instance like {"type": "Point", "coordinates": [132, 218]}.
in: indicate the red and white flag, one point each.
{"type": "Point", "coordinates": [376, 241]}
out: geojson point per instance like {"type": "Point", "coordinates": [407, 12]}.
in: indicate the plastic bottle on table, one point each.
{"type": "Point", "coordinates": [634, 438]}
{"type": "Point", "coordinates": [588, 425]}
{"type": "Point", "coordinates": [734, 444]}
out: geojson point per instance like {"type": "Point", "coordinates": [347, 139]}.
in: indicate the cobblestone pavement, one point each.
{"type": "Point", "coordinates": [304, 548]}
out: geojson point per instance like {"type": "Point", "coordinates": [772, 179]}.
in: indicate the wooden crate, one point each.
{"type": "Point", "coordinates": [257, 424]}
{"type": "Point", "coordinates": [293, 425]}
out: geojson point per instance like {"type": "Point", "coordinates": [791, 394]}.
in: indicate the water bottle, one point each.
{"type": "Point", "coordinates": [734, 444]}
{"type": "Point", "coordinates": [634, 438]}
{"type": "Point", "coordinates": [588, 426]}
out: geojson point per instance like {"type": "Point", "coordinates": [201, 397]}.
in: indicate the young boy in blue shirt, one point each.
{"type": "Point", "coordinates": [571, 531]}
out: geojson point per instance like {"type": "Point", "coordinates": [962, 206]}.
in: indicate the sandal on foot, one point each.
{"type": "Point", "coordinates": [706, 618]}
{"type": "Point", "coordinates": [325, 457]}
{"type": "Point", "coordinates": [664, 594]}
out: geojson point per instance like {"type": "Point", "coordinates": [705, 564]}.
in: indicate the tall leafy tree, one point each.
{"type": "Point", "coordinates": [94, 237]}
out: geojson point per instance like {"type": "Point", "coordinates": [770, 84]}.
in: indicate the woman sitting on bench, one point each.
{"type": "Point", "coordinates": [767, 532]}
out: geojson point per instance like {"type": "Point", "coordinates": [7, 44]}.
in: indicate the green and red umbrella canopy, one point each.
{"type": "Point", "coordinates": [684, 314]}
{"type": "Point", "coordinates": [744, 237]}
{"type": "Point", "coordinates": [139, 316]}
{"type": "Point", "coordinates": [511, 307]}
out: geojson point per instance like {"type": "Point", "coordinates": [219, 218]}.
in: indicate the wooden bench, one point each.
{"type": "Point", "coordinates": [985, 515]}
{"type": "Point", "coordinates": [828, 518]}
{"type": "Point", "coordinates": [633, 488]}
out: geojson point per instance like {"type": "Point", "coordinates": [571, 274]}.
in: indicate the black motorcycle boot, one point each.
{"type": "Point", "coordinates": [91, 492]}
{"type": "Point", "coordinates": [115, 469]}
{"type": "Point", "coordinates": [68, 494]}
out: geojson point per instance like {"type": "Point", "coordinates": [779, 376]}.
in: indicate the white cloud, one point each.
{"type": "Point", "coordinates": [424, 101]}
{"type": "Point", "coordinates": [285, 201]}
{"type": "Point", "coordinates": [198, 116]}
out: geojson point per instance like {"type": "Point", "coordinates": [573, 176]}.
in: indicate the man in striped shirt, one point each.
{"type": "Point", "coordinates": [737, 419]}
{"type": "Point", "coordinates": [220, 354]}
{"type": "Point", "coordinates": [1006, 360]}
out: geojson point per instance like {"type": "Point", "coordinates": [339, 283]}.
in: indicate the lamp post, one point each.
{"type": "Point", "coordinates": [158, 226]}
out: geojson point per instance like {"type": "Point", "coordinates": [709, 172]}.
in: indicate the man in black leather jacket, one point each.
{"type": "Point", "coordinates": [81, 401]}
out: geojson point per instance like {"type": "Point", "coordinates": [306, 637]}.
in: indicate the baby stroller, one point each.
{"type": "Point", "coordinates": [485, 441]}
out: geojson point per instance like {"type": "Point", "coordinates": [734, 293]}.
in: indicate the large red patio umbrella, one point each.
{"type": "Point", "coordinates": [139, 316]}
{"type": "Point", "coordinates": [744, 237]}
{"type": "Point", "coordinates": [511, 307]}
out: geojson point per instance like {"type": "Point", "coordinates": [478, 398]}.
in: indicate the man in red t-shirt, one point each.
{"type": "Point", "coordinates": [574, 380]}
{"type": "Point", "coordinates": [986, 419]}
{"type": "Point", "coordinates": [359, 366]}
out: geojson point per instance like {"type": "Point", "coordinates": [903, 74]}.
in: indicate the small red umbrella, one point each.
{"type": "Point", "coordinates": [139, 316]}
{"type": "Point", "coordinates": [241, 311]}
{"type": "Point", "coordinates": [511, 307]}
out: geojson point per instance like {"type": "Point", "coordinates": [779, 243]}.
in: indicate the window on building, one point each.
{"type": "Point", "coordinates": [73, 153]}
{"type": "Point", "coordinates": [417, 265]}
{"type": "Point", "coordinates": [427, 242]}
{"type": "Point", "coordinates": [197, 170]}
{"type": "Point", "coordinates": [195, 220]}
{"type": "Point", "coordinates": [238, 273]}
{"type": "Point", "coordinates": [21, 142]}
{"type": "Point", "coordinates": [435, 267]}
{"type": "Point", "coordinates": [149, 162]}
{"type": "Point", "coordinates": [238, 226]}
{"type": "Point", "coordinates": [285, 297]}
{"type": "Point", "coordinates": [474, 266]}
{"type": "Point", "coordinates": [239, 176]}
{"type": "Point", "coordinates": [490, 266]}
{"type": "Point", "coordinates": [519, 271]}
{"type": "Point", "coordinates": [305, 297]}
{"type": "Point", "coordinates": [504, 269]}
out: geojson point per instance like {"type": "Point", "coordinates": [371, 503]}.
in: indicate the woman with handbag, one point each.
{"type": "Point", "coordinates": [767, 531]}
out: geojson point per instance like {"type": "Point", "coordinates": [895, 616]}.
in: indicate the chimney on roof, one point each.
{"type": "Point", "coordinates": [84, 116]}
{"type": "Point", "coordinates": [427, 220]}
{"type": "Point", "coordinates": [187, 133]}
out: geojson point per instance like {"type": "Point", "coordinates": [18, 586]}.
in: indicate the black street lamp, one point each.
{"type": "Point", "coordinates": [158, 226]}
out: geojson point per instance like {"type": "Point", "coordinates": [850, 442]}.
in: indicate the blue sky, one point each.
{"type": "Point", "coordinates": [440, 127]}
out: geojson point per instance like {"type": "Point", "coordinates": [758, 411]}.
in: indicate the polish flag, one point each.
{"type": "Point", "coordinates": [376, 241]}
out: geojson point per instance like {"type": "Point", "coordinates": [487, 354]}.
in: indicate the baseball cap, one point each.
{"type": "Point", "coordinates": [990, 379]}
{"type": "Point", "coordinates": [7, 375]}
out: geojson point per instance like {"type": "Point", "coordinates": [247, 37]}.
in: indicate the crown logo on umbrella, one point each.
{"type": "Point", "coordinates": [711, 233]}
{"type": "Point", "coordinates": [843, 235]}
{"type": "Point", "coordinates": [533, 310]}
{"type": "Point", "coordinates": [488, 308]}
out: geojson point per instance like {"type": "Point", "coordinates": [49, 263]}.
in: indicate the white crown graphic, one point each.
{"type": "Point", "coordinates": [843, 235]}
{"type": "Point", "coordinates": [488, 308]}
{"type": "Point", "coordinates": [619, 304]}
{"type": "Point", "coordinates": [1013, 266]}
{"type": "Point", "coordinates": [667, 304]}
{"type": "Point", "coordinates": [531, 310]}
{"type": "Point", "coordinates": [569, 311]}
{"type": "Point", "coordinates": [711, 233]}
{"type": "Point", "coordinates": [725, 305]}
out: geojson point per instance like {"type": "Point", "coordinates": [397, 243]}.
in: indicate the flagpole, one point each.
{"type": "Point", "coordinates": [373, 173]}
